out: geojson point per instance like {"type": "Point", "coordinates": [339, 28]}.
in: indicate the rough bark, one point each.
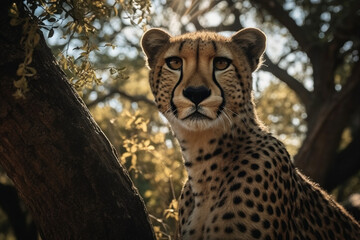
{"type": "Point", "coordinates": [61, 163]}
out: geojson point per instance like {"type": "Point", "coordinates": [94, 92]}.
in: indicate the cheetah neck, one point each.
{"type": "Point", "coordinates": [207, 153]}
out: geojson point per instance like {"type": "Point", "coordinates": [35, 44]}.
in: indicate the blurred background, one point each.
{"type": "Point", "coordinates": [307, 92]}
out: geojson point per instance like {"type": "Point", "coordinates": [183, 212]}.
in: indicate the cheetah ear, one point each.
{"type": "Point", "coordinates": [152, 41]}
{"type": "Point", "coordinates": [253, 42]}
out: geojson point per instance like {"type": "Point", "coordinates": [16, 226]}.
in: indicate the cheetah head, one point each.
{"type": "Point", "coordinates": [202, 79]}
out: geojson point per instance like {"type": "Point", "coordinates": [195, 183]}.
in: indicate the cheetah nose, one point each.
{"type": "Point", "coordinates": [196, 94]}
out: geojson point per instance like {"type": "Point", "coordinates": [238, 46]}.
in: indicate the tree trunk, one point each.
{"type": "Point", "coordinates": [319, 153]}
{"type": "Point", "coordinates": [61, 163]}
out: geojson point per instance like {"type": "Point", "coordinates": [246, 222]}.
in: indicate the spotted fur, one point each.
{"type": "Point", "coordinates": [241, 182]}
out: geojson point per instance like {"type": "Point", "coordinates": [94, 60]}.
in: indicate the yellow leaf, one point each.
{"type": "Point", "coordinates": [18, 94]}
{"type": "Point", "coordinates": [14, 10]}
{"type": "Point", "coordinates": [21, 70]}
{"type": "Point", "coordinates": [30, 71]}
{"type": "Point", "coordinates": [133, 148]}
{"type": "Point", "coordinates": [125, 155]}
{"type": "Point", "coordinates": [116, 11]}
{"type": "Point", "coordinates": [133, 161]}
{"type": "Point", "coordinates": [21, 83]}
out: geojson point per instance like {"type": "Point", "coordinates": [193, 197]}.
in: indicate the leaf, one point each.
{"type": "Point", "coordinates": [51, 33]}
{"type": "Point", "coordinates": [21, 70]}
{"type": "Point", "coordinates": [140, 20]}
{"type": "Point", "coordinates": [133, 149]}
{"type": "Point", "coordinates": [112, 71]}
{"type": "Point", "coordinates": [30, 71]}
{"type": "Point", "coordinates": [18, 94]}
{"type": "Point", "coordinates": [116, 10]}
{"type": "Point", "coordinates": [126, 155]}
{"type": "Point", "coordinates": [21, 83]}
{"type": "Point", "coordinates": [146, 143]}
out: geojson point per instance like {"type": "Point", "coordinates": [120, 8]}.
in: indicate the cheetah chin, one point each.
{"type": "Point", "coordinates": [197, 122]}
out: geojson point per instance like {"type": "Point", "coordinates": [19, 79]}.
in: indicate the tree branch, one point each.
{"type": "Point", "coordinates": [277, 11]}
{"type": "Point", "coordinates": [303, 94]}
{"type": "Point", "coordinates": [195, 8]}
{"type": "Point", "coordinates": [235, 26]}
{"type": "Point", "coordinates": [221, 28]}
{"type": "Point", "coordinates": [332, 118]}
{"type": "Point", "coordinates": [113, 91]}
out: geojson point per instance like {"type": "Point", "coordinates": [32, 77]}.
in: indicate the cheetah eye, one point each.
{"type": "Point", "coordinates": [221, 63]}
{"type": "Point", "coordinates": [174, 63]}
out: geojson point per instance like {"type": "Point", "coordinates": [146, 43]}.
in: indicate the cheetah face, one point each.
{"type": "Point", "coordinates": [202, 79]}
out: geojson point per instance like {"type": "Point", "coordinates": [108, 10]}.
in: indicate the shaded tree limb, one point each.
{"type": "Point", "coordinates": [315, 157]}
{"type": "Point", "coordinates": [221, 28]}
{"type": "Point", "coordinates": [60, 161]}
{"type": "Point", "coordinates": [194, 19]}
{"type": "Point", "coordinates": [234, 26]}
{"type": "Point", "coordinates": [277, 11]}
{"type": "Point", "coordinates": [113, 91]}
{"type": "Point", "coordinates": [197, 12]}
{"type": "Point", "coordinates": [304, 95]}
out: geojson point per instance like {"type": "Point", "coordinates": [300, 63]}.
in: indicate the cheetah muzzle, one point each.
{"type": "Point", "coordinates": [241, 182]}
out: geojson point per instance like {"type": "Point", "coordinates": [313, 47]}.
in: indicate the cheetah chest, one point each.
{"type": "Point", "coordinates": [198, 214]}
{"type": "Point", "coordinates": [214, 203]}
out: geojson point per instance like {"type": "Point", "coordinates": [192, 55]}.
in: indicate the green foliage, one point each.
{"type": "Point", "coordinates": [155, 167]}
{"type": "Point", "coordinates": [147, 149]}
{"type": "Point", "coordinates": [280, 108]}
{"type": "Point", "coordinates": [29, 40]}
{"type": "Point", "coordinates": [77, 19]}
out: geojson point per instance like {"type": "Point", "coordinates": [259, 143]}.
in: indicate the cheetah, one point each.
{"type": "Point", "coordinates": [241, 182]}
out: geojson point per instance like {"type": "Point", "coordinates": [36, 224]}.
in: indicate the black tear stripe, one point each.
{"type": "Point", "coordinates": [214, 46]}
{"type": "Point", "coordinates": [181, 45]}
{"type": "Point", "coordinates": [221, 107]}
{"type": "Point", "coordinates": [197, 53]}
{"type": "Point", "coordinates": [173, 107]}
